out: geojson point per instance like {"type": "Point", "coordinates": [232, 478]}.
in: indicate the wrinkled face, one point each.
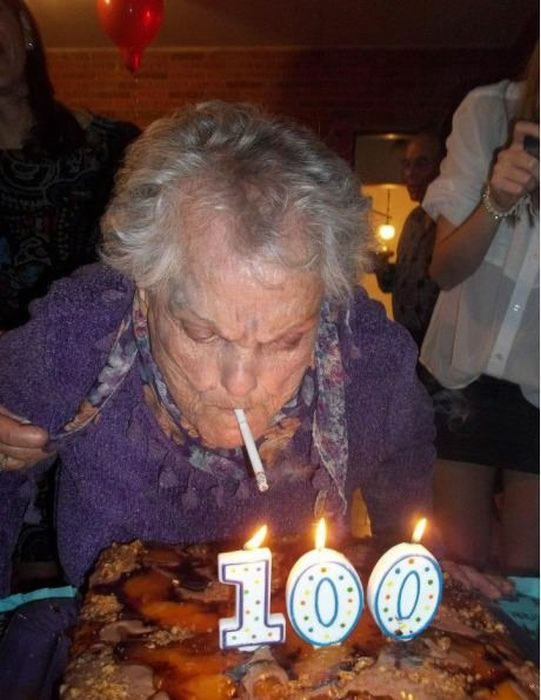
{"type": "Point", "coordinates": [420, 166]}
{"type": "Point", "coordinates": [237, 339]}
{"type": "Point", "coordinates": [12, 49]}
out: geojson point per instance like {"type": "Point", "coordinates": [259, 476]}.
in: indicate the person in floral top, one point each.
{"type": "Point", "coordinates": [56, 171]}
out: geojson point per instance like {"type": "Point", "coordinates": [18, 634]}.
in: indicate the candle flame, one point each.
{"type": "Point", "coordinates": [419, 530]}
{"type": "Point", "coordinates": [321, 534]}
{"type": "Point", "coordinates": [257, 539]}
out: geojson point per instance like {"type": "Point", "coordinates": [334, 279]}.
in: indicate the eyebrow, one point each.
{"type": "Point", "coordinates": [298, 326]}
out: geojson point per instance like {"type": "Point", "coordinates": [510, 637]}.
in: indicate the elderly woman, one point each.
{"type": "Point", "coordinates": [231, 250]}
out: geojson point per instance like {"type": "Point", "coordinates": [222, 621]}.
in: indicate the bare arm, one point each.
{"type": "Point", "coordinates": [459, 251]}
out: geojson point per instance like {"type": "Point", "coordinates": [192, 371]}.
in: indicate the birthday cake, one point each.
{"type": "Point", "coordinates": [149, 629]}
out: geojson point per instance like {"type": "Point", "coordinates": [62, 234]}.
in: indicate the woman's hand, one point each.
{"type": "Point", "coordinates": [459, 250]}
{"type": "Point", "coordinates": [21, 444]}
{"type": "Point", "coordinates": [490, 585]}
{"type": "Point", "coordinates": [515, 172]}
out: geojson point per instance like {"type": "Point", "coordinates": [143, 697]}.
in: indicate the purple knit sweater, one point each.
{"type": "Point", "coordinates": [111, 485]}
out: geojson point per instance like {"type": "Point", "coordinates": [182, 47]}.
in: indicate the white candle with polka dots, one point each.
{"type": "Point", "coordinates": [405, 588]}
{"type": "Point", "coordinates": [324, 595]}
{"type": "Point", "coordinates": [250, 570]}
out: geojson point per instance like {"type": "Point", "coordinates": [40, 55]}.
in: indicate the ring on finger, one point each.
{"type": "Point", "coordinates": [3, 461]}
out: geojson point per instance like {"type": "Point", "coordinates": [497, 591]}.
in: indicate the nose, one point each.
{"type": "Point", "coordinates": [239, 372]}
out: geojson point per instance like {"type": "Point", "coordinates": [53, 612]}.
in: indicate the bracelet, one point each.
{"type": "Point", "coordinates": [497, 214]}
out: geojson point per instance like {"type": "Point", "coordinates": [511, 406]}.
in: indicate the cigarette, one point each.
{"type": "Point", "coordinates": [253, 454]}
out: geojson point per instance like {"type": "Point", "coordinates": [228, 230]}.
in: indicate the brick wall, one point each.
{"type": "Point", "coordinates": [336, 91]}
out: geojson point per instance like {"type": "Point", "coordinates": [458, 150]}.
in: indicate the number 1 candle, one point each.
{"type": "Point", "coordinates": [250, 571]}
{"type": "Point", "coordinates": [324, 595]}
{"type": "Point", "coordinates": [405, 588]}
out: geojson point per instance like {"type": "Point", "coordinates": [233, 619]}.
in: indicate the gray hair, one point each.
{"type": "Point", "coordinates": [265, 175]}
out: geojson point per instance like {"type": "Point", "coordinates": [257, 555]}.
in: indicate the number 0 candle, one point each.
{"type": "Point", "coordinates": [405, 588]}
{"type": "Point", "coordinates": [324, 595]}
{"type": "Point", "coordinates": [250, 571]}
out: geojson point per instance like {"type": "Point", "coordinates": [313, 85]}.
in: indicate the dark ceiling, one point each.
{"type": "Point", "coordinates": [424, 24]}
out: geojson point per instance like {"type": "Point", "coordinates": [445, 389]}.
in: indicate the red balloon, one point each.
{"type": "Point", "coordinates": [132, 25]}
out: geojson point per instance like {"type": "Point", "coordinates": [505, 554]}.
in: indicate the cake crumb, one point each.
{"type": "Point", "coordinates": [102, 608]}
{"type": "Point", "coordinates": [164, 637]}
{"type": "Point", "coordinates": [115, 561]}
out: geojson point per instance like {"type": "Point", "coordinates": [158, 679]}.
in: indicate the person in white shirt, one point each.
{"type": "Point", "coordinates": [483, 339]}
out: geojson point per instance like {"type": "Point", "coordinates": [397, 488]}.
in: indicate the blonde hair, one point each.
{"type": "Point", "coordinates": [529, 106]}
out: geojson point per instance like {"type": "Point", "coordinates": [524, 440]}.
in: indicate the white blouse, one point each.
{"type": "Point", "coordinates": [488, 324]}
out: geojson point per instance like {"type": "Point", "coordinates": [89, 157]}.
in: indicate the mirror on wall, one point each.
{"type": "Point", "coordinates": [377, 157]}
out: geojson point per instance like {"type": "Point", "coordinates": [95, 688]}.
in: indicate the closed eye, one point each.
{"type": "Point", "coordinates": [198, 334]}
{"type": "Point", "coordinates": [288, 343]}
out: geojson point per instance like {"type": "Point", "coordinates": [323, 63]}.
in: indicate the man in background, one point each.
{"type": "Point", "coordinates": [413, 292]}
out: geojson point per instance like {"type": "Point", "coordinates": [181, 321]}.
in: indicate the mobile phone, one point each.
{"type": "Point", "coordinates": [531, 144]}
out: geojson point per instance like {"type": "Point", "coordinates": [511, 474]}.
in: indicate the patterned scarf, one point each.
{"type": "Point", "coordinates": [318, 406]}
